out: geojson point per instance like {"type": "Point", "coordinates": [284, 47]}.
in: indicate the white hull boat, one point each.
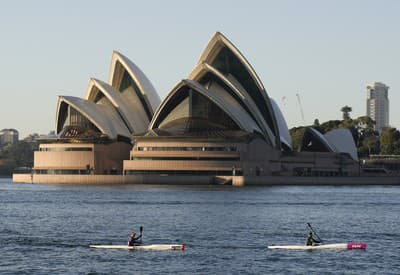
{"type": "Point", "coordinates": [157, 247]}
{"type": "Point", "coordinates": [345, 246]}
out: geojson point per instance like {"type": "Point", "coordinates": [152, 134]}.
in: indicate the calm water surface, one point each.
{"type": "Point", "coordinates": [46, 229]}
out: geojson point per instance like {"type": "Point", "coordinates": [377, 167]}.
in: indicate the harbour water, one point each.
{"type": "Point", "coordinates": [47, 229]}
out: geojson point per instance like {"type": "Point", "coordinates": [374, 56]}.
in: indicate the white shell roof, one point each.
{"type": "Point", "coordinates": [322, 138]}
{"type": "Point", "coordinates": [216, 43]}
{"type": "Point", "coordinates": [144, 84]}
{"type": "Point", "coordinates": [222, 99]}
{"type": "Point", "coordinates": [117, 113]}
{"type": "Point", "coordinates": [213, 48]}
{"type": "Point", "coordinates": [104, 118]}
{"type": "Point", "coordinates": [283, 128]}
{"type": "Point", "coordinates": [127, 112]}
{"type": "Point", "coordinates": [241, 94]}
{"type": "Point", "coordinates": [338, 141]}
{"type": "Point", "coordinates": [343, 141]}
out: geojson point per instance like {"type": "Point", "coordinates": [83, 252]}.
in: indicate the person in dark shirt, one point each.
{"type": "Point", "coordinates": [311, 240]}
{"type": "Point", "coordinates": [133, 240]}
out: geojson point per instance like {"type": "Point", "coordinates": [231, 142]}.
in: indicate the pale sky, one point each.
{"type": "Point", "coordinates": [326, 51]}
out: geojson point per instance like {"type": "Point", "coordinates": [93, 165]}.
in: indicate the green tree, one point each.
{"type": "Point", "coordinates": [365, 122]}
{"type": "Point", "coordinates": [296, 135]}
{"type": "Point", "coordinates": [7, 166]}
{"type": "Point", "coordinates": [16, 155]}
{"type": "Point", "coordinates": [370, 146]}
{"type": "Point", "coordinates": [390, 142]}
{"type": "Point", "coordinates": [330, 125]}
{"type": "Point", "coordinates": [346, 112]}
{"type": "Point", "coordinates": [368, 139]}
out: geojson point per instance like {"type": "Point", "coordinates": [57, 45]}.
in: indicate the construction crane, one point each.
{"type": "Point", "coordinates": [301, 108]}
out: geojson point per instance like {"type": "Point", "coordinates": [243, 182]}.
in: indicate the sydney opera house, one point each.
{"type": "Point", "coordinates": [216, 126]}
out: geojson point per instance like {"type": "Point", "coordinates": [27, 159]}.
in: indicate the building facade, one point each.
{"type": "Point", "coordinates": [220, 122]}
{"type": "Point", "coordinates": [378, 104]}
{"type": "Point", "coordinates": [8, 136]}
{"type": "Point", "coordinates": [93, 134]}
{"type": "Point", "coordinates": [217, 124]}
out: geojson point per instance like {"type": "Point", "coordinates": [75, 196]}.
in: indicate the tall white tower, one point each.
{"type": "Point", "coordinates": [378, 104]}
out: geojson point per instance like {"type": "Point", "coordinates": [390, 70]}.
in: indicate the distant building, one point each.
{"type": "Point", "coordinates": [8, 136]}
{"type": "Point", "coordinates": [31, 138]}
{"type": "Point", "coordinates": [35, 137]}
{"type": "Point", "coordinates": [378, 104]}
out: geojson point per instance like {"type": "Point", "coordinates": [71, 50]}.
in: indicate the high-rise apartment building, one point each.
{"type": "Point", "coordinates": [378, 104]}
{"type": "Point", "coordinates": [8, 136]}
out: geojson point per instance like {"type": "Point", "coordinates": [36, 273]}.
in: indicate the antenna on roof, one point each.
{"type": "Point", "coordinates": [301, 108]}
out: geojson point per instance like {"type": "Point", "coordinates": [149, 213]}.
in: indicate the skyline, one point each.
{"type": "Point", "coordinates": [308, 48]}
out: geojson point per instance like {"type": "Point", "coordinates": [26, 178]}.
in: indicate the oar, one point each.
{"type": "Point", "coordinates": [315, 233]}
{"type": "Point", "coordinates": [141, 233]}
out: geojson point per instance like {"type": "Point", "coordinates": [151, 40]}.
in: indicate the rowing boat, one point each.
{"type": "Point", "coordinates": [158, 247]}
{"type": "Point", "coordinates": [322, 246]}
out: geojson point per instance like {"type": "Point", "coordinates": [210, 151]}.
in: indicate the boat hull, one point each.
{"type": "Point", "coordinates": [157, 247]}
{"type": "Point", "coordinates": [345, 246]}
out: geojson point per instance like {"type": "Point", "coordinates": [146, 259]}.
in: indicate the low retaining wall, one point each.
{"type": "Point", "coordinates": [68, 179]}
{"type": "Point", "coordinates": [203, 180]}
{"type": "Point", "coordinates": [171, 180]}
{"type": "Point", "coordinates": [284, 180]}
{"type": "Point", "coordinates": [22, 178]}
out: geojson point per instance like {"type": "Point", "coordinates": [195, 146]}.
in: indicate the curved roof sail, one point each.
{"type": "Point", "coordinates": [221, 54]}
{"type": "Point", "coordinates": [343, 140]}
{"type": "Point", "coordinates": [135, 87]}
{"type": "Point", "coordinates": [314, 141]}
{"type": "Point", "coordinates": [190, 99]}
{"type": "Point", "coordinates": [338, 141]}
{"type": "Point", "coordinates": [100, 92]}
{"type": "Point", "coordinates": [80, 112]}
{"type": "Point", "coordinates": [286, 139]}
{"type": "Point", "coordinates": [208, 76]}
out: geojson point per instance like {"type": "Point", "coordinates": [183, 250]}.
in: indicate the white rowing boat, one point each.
{"type": "Point", "coordinates": [158, 247]}
{"type": "Point", "coordinates": [322, 246]}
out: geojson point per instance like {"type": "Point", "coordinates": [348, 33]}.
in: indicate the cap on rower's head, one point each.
{"type": "Point", "coordinates": [133, 233]}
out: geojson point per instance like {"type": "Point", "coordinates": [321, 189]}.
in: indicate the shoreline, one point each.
{"type": "Point", "coordinates": [237, 181]}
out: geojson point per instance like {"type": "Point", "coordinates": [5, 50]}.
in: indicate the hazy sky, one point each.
{"type": "Point", "coordinates": [326, 51]}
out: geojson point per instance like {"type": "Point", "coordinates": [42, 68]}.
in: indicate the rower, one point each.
{"type": "Point", "coordinates": [311, 240]}
{"type": "Point", "coordinates": [133, 240]}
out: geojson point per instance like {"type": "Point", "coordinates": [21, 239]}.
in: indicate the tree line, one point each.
{"type": "Point", "coordinates": [17, 156]}
{"type": "Point", "coordinates": [367, 140]}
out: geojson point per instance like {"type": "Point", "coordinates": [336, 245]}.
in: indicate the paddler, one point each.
{"type": "Point", "coordinates": [311, 240]}
{"type": "Point", "coordinates": [133, 240]}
